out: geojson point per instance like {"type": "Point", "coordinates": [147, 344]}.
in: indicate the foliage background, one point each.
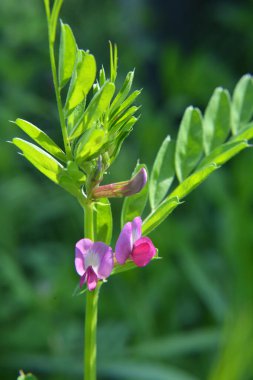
{"type": "Point", "coordinates": [188, 316]}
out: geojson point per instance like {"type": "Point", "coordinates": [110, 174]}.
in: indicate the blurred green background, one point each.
{"type": "Point", "coordinates": [188, 316]}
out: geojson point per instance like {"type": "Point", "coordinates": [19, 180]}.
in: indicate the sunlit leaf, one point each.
{"type": "Point", "coordinates": [124, 91]}
{"type": "Point", "coordinates": [45, 163]}
{"type": "Point", "coordinates": [189, 143]}
{"type": "Point", "coordinates": [242, 105]}
{"type": "Point", "coordinates": [90, 144]}
{"type": "Point", "coordinates": [223, 153]}
{"type": "Point", "coordinates": [103, 221]}
{"type": "Point", "coordinates": [162, 173]}
{"type": "Point", "coordinates": [82, 79]}
{"type": "Point", "coordinates": [216, 122]}
{"type": "Point", "coordinates": [135, 204]}
{"type": "Point", "coordinates": [98, 105]}
{"type": "Point", "coordinates": [41, 138]}
{"type": "Point", "coordinates": [27, 376]}
{"type": "Point", "coordinates": [67, 54]}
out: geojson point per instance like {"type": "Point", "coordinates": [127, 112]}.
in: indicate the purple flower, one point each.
{"type": "Point", "coordinates": [93, 262]}
{"type": "Point", "coordinates": [131, 245]}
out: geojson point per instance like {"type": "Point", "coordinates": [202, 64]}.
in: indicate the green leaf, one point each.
{"type": "Point", "coordinates": [124, 105]}
{"type": "Point", "coordinates": [67, 54]}
{"type": "Point", "coordinates": [54, 19]}
{"type": "Point", "coordinates": [189, 143]}
{"type": "Point", "coordinates": [76, 116]}
{"type": "Point", "coordinates": [223, 153]}
{"type": "Point", "coordinates": [245, 134]}
{"type": "Point", "coordinates": [121, 96]}
{"type": "Point", "coordinates": [98, 105]}
{"type": "Point", "coordinates": [216, 122]}
{"type": "Point", "coordinates": [90, 144]}
{"type": "Point", "coordinates": [113, 61]}
{"type": "Point", "coordinates": [162, 173]}
{"type": "Point", "coordinates": [193, 181]}
{"type": "Point", "coordinates": [159, 215]}
{"type": "Point", "coordinates": [41, 138]}
{"type": "Point", "coordinates": [129, 265]}
{"type": "Point", "coordinates": [45, 163]}
{"type": "Point", "coordinates": [134, 205]}
{"type": "Point", "coordinates": [126, 116]}
{"type": "Point", "coordinates": [82, 79]}
{"type": "Point", "coordinates": [103, 221]}
{"type": "Point", "coordinates": [242, 103]}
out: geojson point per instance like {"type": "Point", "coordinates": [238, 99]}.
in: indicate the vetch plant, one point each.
{"type": "Point", "coordinates": [95, 118]}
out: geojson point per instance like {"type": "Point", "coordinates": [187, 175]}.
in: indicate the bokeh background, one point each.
{"type": "Point", "coordinates": [188, 316]}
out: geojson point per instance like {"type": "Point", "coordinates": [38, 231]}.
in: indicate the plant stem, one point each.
{"type": "Point", "coordinates": [90, 329]}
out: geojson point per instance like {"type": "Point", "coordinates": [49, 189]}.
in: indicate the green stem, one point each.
{"type": "Point", "coordinates": [90, 329]}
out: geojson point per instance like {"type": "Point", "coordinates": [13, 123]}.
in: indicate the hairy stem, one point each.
{"type": "Point", "coordinates": [90, 328]}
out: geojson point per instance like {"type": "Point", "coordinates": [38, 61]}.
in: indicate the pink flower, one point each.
{"type": "Point", "coordinates": [93, 262]}
{"type": "Point", "coordinates": [131, 245]}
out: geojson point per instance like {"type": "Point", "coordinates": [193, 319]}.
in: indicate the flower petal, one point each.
{"type": "Point", "coordinates": [136, 228]}
{"type": "Point", "coordinates": [124, 244]}
{"type": "Point", "coordinates": [81, 251]}
{"type": "Point", "coordinates": [91, 278]}
{"type": "Point", "coordinates": [143, 251]}
{"type": "Point", "coordinates": [106, 263]}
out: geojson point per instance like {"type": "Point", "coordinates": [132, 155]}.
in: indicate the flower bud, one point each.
{"type": "Point", "coordinates": [122, 189]}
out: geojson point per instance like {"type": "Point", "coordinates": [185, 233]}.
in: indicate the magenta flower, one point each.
{"type": "Point", "coordinates": [131, 245]}
{"type": "Point", "coordinates": [93, 262]}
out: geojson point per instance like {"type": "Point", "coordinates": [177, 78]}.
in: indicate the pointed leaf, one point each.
{"type": "Point", "coordinates": [134, 205]}
{"type": "Point", "coordinates": [216, 122]}
{"type": "Point", "coordinates": [124, 91]}
{"type": "Point", "coordinates": [242, 103]}
{"type": "Point", "coordinates": [159, 215]}
{"type": "Point", "coordinates": [40, 159]}
{"type": "Point", "coordinates": [54, 18]}
{"type": "Point", "coordinates": [98, 105]}
{"type": "Point", "coordinates": [163, 172]}
{"type": "Point", "coordinates": [189, 143]}
{"type": "Point", "coordinates": [67, 54]}
{"type": "Point", "coordinates": [90, 144]}
{"type": "Point", "coordinates": [41, 138]}
{"type": "Point", "coordinates": [103, 221]}
{"type": "Point", "coordinates": [223, 153]}
{"type": "Point", "coordinates": [82, 79]}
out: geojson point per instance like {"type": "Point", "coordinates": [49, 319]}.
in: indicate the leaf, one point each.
{"type": "Point", "coordinates": [90, 144]}
{"type": "Point", "coordinates": [103, 221]}
{"type": "Point", "coordinates": [54, 18]}
{"type": "Point", "coordinates": [129, 265]}
{"type": "Point", "coordinates": [67, 54]}
{"type": "Point", "coordinates": [113, 61]}
{"type": "Point", "coordinates": [242, 103]}
{"type": "Point", "coordinates": [245, 134]}
{"type": "Point", "coordinates": [189, 143]}
{"type": "Point", "coordinates": [82, 79]}
{"type": "Point", "coordinates": [193, 181]}
{"type": "Point", "coordinates": [159, 215]}
{"type": "Point", "coordinates": [216, 122]}
{"type": "Point", "coordinates": [124, 91]}
{"type": "Point", "coordinates": [41, 138]}
{"type": "Point", "coordinates": [134, 205]}
{"type": "Point", "coordinates": [223, 153]}
{"type": "Point", "coordinates": [124, 105]}
{"type": "Point", "coordinates": [98, 105]}
{"type": "Point", "coordinates": [76, 116]}
{"type": "Point", "coordinates": [45, 163]}
{"type": "Point", "coordinates": [162, 173]}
